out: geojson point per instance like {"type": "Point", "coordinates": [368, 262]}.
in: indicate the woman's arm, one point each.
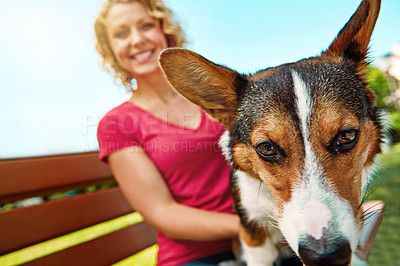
{"type": "Point", "coordinates": [147, 193]}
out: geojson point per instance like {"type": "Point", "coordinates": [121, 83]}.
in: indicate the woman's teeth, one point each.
{"type": "Point", "coordinates": [143, 55]}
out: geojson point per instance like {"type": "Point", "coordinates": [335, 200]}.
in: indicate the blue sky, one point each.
{"type": "Point", "coordinates": [53, 92]}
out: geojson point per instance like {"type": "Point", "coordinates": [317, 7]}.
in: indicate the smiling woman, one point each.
{"type": "Point", "coordinates": [125, 30]}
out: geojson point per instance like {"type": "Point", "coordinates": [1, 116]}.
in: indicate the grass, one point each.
{"type": "Point", "coordinates": [385, 251]}
{"type": "Point", "coordinates": [386, 248]}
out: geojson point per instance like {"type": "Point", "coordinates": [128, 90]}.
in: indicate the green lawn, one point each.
{"type": "Point", "coordinates": [385, 251]}
{"type": "Point", "coordinates": [386, 248]}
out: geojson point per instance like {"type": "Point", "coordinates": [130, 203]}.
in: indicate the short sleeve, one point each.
{"type": "Point", "coordinates": [115, 133]}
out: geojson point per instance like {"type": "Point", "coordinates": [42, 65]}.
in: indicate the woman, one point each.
{"type": "Point", "coordinates": [162, 148]}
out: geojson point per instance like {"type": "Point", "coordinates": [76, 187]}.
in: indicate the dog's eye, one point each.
{"type": "Point", "coordinates": [268, 151]}
{"type": "Point", "coordinates": [345, 140]}
{"type": "Point", "coordinates": [347, 137]}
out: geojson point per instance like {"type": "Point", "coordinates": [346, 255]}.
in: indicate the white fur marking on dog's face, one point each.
{"type": "Point", "coordinates": [256, 198]}
{"type": "Point", "coordinates": [224, 144]}
{"type": "Point", "coordinates": [304, 103]}
{"type": "Point", "coordinates": [304, 108]}
{"type": "Point", "coordinates": [315, 208]}
{"type": "Point", "coordinates": [323, 215]}
{"type": "Point", "coordinates": [313, 211]}
{"type": "Point", "coordinates": [261, 256]}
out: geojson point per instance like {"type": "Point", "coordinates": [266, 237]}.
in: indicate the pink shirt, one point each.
{"type": "Point", "coordinates": [190, 162]}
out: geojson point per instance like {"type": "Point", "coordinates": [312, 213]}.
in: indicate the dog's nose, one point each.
{"type": "Point", "coordinates": [314, 252]}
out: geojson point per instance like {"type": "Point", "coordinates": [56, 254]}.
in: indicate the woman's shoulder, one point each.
{"type": "Point", "coordinates": [120, 109]}
{"type": "Point", "coordinates": [119, 128]}
{"type": "Point", "coordinates": [120, 117]}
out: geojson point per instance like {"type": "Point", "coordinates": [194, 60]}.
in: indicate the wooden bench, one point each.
{"type": "Point", "coordinates": [43, 176]}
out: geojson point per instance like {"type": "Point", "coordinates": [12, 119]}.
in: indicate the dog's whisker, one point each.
{"type": "Point", "coordinates": [272, 223]}
{"type": "Point", "coordinates": [368, 213]}
{"type": "Point", "coordinates": [373, 206]}
{"type": "Point", "coordinates": [369, 216]}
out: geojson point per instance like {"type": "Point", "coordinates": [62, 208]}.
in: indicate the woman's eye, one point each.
{"type": "Point", "coordinates": [121, 34]}
{"type": "Point", "coordinates": [344, 140]}
{"type": "Point", "coordinates": [269, 151]}
{"type": "Point", "coordinates": [148, 25]}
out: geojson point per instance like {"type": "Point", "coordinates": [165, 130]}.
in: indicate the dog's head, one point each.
{"type": "Point", "coordinates": [308, 130]}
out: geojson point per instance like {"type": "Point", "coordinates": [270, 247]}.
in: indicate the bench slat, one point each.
{"type": "Point", "coordinates": [104, 250]}
{"type": "Point", "coordinates": [23, 178]}
{"type": "Point", "coordinates": [23, 227]}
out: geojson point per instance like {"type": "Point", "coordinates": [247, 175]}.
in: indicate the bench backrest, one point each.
{"type": "Point", "coordinates": [43, 176]}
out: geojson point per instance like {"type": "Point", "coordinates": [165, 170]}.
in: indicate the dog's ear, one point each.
{"type": "Point", "coordinates": [352, 41]}
{"type": "Point", "coordinates": [213, 87]}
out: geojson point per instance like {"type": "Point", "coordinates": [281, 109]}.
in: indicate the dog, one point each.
{"type": "Point", "coordinates": [302, 140]}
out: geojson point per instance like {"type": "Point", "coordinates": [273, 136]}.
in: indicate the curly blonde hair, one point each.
{"type": "Point", "coordinates": [156, 8]}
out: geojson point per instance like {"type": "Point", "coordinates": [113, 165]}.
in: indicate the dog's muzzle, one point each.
{"type": "Point", "coordinates": [324, 251]}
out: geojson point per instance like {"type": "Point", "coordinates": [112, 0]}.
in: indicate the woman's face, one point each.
{"type": "Point", "coordinates": [136, 38]}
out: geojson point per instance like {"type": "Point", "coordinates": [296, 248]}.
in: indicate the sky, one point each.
{"type": "Point", "coordinates": [53, 91]}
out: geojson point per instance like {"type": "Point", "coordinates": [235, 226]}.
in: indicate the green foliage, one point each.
{"type": "Point", "coordinates": [395, 121]}
{"type": "Point", "coordinates": [379, 84]}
